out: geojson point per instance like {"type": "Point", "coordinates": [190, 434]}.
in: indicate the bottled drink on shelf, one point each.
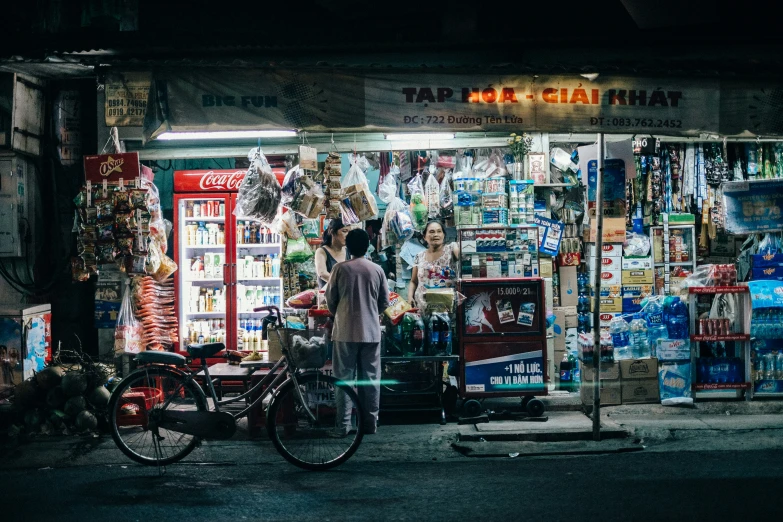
{"type": "Point", "coordinates": [640, 341]}
{"type": "Point", "coordinates": [584, 323]}
{"type": "Point", "coordinates": [583, 303]}
{"type": "Point", "coordinates": [566, 374]}
{"type": "Point", "coordinates": [607, 348]}
{"type": "Point", "coordinates": [620, 332]}
{"type": "Point", "coordinates": [656, 328]}
{"type": "Point", "coordinates": [677, 323]}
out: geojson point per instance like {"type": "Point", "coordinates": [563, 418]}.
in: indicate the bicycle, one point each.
{"type": "Point", "coordinates": [159, 413]}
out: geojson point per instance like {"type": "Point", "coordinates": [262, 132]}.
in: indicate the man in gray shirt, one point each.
{"type": "Point", "coordinates": [356, 295]}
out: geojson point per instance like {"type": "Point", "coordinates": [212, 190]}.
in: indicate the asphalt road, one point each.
{"type": "Point", "coordinates": [645, 485]}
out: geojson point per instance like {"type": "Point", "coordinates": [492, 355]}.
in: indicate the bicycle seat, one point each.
{"type": "Point", "coordinates": [206, 349]}
{"type": "Point", "coordinates": [161, 358]}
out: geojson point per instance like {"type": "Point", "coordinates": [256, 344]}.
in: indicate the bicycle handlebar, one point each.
{"type": "Point", "coordinates": [274, 314]}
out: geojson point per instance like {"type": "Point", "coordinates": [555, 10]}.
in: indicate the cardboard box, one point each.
{"type": "Point", "coordinates": [631, 369]}
{"type": "Point", "coordinates": [639, 379]}
{"type": "Point", "coordinates": [607, 250]}
{"type": "Point", "coordinates": [769, 272]}
{"type": "Point", "coordinates": [637, 263]}
{"type": "Point", "coordinates": [673, 349]}
{"type": "Point", "coordinates": [568, 286]}
{"type": "Point", "coordinates": [608, 264]}
{"type": "Point", "coordinates": [637, 277]}
{"type": "Point", "coordinates": [608, 277]}
{"type": "Point", "coordinates": [569, 259]}
{"type": "Point", "coordinates": [633, 296]}
{"type": "Point", "coordinates": [609, 291]}
{"type": "Point", "coordinates": [613, 231]}
{"type": "Point", "coordinates": [565, 317]}
{"type": "Point", "coordinates": [766, 260]}
{"type": "Point", "coordinates": [606, 318]}
{"type": "Point", "coordinates": [545, 267]}
{"type": "Point", "coordinates": [572, 340]}
{"type": "Point", "coordinates": [608, 304]}
{"type": "Point", "coordinates": [611, 386]}
{"type": "Point", "coordinates": [640, 391]}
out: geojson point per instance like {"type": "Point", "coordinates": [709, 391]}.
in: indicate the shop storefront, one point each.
{"type": "Point", "coordinates": [508, 164]}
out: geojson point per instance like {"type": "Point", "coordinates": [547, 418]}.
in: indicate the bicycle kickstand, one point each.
{"type": "Point", "coordinates": [156, 444]}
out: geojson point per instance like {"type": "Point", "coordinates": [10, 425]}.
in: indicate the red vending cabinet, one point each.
{"type": "Point", "coordinates": [227, 265]}
{"type": "Point", "coordinates": [502, 337]}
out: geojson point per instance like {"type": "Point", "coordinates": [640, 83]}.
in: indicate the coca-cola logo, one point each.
{"type": "Point", "coordinates": [220, 181]}
{"type": "Point", "coordinates": [109, 166]}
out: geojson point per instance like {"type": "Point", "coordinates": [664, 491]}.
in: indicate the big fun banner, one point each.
{"type": "Point", "coordinates": [343, 100]}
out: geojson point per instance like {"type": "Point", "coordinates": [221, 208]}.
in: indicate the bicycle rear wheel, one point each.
{"type": "Point", "coordinates": [306, 442]}
{"type": "Point", "coordinates": [137, 403]}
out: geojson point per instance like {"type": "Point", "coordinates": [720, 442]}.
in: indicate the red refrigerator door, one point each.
{"type": "Point", "coordinates": [204, 251]}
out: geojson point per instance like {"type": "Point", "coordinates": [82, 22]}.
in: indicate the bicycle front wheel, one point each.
{"type": "Point", "coordinates": [137, 403]}
{"type": "Point", "coordinates": [311, 440]}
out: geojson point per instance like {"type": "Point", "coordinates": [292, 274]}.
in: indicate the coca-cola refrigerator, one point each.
{"type": "Point", "coordinates": [228, 265]}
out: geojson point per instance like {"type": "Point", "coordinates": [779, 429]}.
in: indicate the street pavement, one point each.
{"type": "Point", "coordinates": [720, 461]}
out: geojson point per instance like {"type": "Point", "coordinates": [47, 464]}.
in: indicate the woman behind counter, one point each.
{"type": "Point", "coordinates": [331, 251]}
{"type": "Point", "coordinates": [437, 257]}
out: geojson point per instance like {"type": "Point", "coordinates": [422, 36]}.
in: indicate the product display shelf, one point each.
{"type": "Point", "coordinates": [661, 253]}
{"type": "Point", "coordinates": [519, 261]}
{"type": "Point", "coordinates": [211, 219]}
{"type": "Point", "coordinates": [722, 390]}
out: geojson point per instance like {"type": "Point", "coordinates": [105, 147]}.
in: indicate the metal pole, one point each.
{"type": "Point", "coordinates": [599, 222]}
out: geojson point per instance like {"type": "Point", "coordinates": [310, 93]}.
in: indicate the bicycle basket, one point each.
{"type": "Point", "coordinates": [307, 348]}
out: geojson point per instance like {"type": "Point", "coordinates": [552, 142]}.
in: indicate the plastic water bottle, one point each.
{"type": "Point", "coordinates": [583, 303]}
{"type": "Point", "coordinates": [678, 320]}
{"type": "Point", "coordinates": [584, 323]}
{"type": "Point", "coordinates": [639, 337]}
{"type": "Point", "coordinates": [621, 340]}
{"type": "Point", "coordinates": [656, 328]}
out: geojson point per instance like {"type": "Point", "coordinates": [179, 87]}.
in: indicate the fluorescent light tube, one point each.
{"type": "Point", "coordinates": [414, 136]}
{"type": "Point", "coordinates": [226, 135]}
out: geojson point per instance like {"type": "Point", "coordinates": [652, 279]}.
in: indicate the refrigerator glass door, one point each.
{"type": "Point", "coordinates": [204, 274]}
{"type": "Point", "coordinates": [258, 277]}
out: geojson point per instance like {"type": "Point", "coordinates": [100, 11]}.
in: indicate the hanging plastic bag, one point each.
{"type": "Point", "coordinates": [636, 244]}
{"type": "Point", "coordinates": [357, 202]}
{"type": "Point", "coordinates": [288, 190]}
{"type": "Point", "coordinates": [309, 199]}
{"type": "Point", "coordinates": [432, 196]}
{"type": "Point", "coordinates": [297, 250]}
{"type": "Point", "coordinates": [285, 224]}
{"type": "Point", "coordinates": [387, 189]}
{"type": "Point", "coordinates": [260, 193]}
{"type": "Point", "coordinates": [128, 333]}
{"type": "Point", "coordinates": [446, 197]}
{"type": "Point", "coordinates": [770, 244]}
{"type": "Point", "coordinates": [418, 208]}
{"type": "Point", "coordinates": [396, 229]}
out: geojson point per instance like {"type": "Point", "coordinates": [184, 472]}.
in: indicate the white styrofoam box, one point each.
{"type": "Point", "coordinates": [637, 263]}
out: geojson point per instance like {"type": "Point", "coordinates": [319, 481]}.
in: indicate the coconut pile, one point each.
{"type": "Point", "coordinates": [61, 400]}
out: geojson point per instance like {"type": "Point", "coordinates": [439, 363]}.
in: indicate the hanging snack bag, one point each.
{"type": "Point", "coordinates": [297, 250]}
{"type": "Point", "coordinates": [260, 193]}
{"type": "Point", "coordinates": [446, 197]}
{"type": "Point", "coordinates": [357, 191]}
{"type": "Point", "coordinates": [432, 195]}
{"type": "Point", "coordinates": [128, 333]}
